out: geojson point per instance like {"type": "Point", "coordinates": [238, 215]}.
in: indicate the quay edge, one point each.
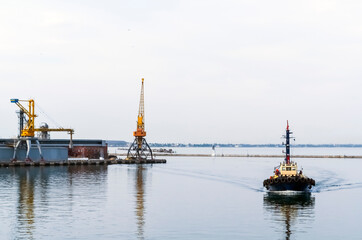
{"type": "Point", "coordinates": [80, 162]}
{"type": "Point", "coordinates": [57, 152]}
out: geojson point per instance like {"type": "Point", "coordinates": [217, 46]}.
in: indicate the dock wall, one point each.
{"type": "Point", "coordinates": [92, 152]}
{"type": "Point", "coordinates": [50, 154]}
{"type": "Point", "coordinates": [55, 149]}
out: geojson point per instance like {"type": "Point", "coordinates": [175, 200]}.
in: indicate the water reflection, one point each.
{"type": "Point", "coordinates": [41, 189]}
{"type": "Point", "coordinates": [25, 209]}
{"type": "Point", "coordinates": [291, 209]}
{"type": "Point", "coordinates": [85, 173]}
{"type": "Point", "coordinates": [140, 178]}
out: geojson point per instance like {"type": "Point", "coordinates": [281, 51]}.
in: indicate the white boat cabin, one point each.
{"type": "Point", "coordinates": [290, 169]}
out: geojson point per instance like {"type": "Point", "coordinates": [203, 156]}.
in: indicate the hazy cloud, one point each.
{"type": "Point", "coordinates": [216, 71]}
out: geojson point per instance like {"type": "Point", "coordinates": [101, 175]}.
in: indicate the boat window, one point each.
{"type": "Point", "coordinates": [283, 168]}
{"type": "Point", "coordinates": [293, 169]}
{"type": "Point", "coordinates": [288, 168]}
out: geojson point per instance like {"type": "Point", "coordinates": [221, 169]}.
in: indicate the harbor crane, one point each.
{"type": "Point", "coordinates": [139, 149]}
{"type": "Point", "coordinates": [27, 132]}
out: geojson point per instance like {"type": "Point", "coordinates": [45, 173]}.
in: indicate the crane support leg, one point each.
{"type": "Point", "coordinates": [28, 148]}
{"type": "Point", "coordinates": [140, 150]}
{"type": "Point", "coordinates": [16, 147]}
{"type": "Point", "coordinates": [28, 145]}
{"type": "Point", "coordinates": [40, 153]}
{"type": "Point", "coordinates": [71, 140]}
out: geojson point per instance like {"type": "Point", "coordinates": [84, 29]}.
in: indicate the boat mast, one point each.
{"type": "Point", "coordinates": [287, 144]}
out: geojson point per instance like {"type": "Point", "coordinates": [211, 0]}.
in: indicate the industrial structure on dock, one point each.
{"type": "Point", "coordinates": [39, 149]}
{"type": "Point", "coordinates": [29, 148]}
{"type": "Point", "coordinates": [139, 149]}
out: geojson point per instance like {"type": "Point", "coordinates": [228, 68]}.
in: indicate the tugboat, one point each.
{"type": "Point", "coordinates": [286, 175]}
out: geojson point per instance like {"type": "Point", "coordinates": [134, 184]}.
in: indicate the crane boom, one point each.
{"type": "Point", "coordinates": [69, 130]}
{"type": "Point", "coordinates": [140, 132]}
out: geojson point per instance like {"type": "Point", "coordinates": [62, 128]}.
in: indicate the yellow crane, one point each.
{"type": "Point", "coordinates": [140, 149]}
{"type": "Point", "coordinates": [28, 131]}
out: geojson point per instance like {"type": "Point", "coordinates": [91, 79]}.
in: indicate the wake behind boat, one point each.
{"type": "Point", "coordinates": [286, 175]}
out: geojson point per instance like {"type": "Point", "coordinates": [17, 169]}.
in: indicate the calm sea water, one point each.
{"type": "Point", "coordinates": [187, 198]}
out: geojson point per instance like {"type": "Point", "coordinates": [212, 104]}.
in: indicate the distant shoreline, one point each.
{"type": "Point", "coordinates": [207, 145]}
{"type": "Point", "coordinates": [245, 155]}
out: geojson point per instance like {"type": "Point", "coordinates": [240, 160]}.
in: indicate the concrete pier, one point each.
{"type": "Point", "coordinates": [81, 162]}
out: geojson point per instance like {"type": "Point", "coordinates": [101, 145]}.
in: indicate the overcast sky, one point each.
{"type": "Point", "coordinates": [230, 71]}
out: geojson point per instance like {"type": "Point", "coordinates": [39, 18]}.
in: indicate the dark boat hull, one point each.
{"type": "Point", "coordinates": [289, 184]}
{"type": "Point", "coordinates": [289, 187]}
